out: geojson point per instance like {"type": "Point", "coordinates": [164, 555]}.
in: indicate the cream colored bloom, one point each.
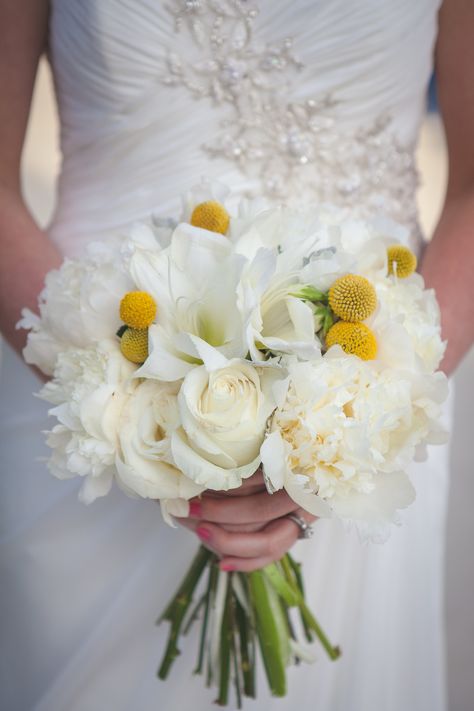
{"type": "Point", "coordinates": [224, 413]}
{"type": "Point", "coordinates": [89, 390]}
{"type": "Point", "coordinates": [342, 436]}
{"type": "Point", "coordinates": [144, 461]}
{"type": "Point", "coordinates": [79, 305]}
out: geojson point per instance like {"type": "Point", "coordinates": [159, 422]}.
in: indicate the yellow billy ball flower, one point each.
{"type": "Point", "coordinates": [401, 261]}
{"type": "Point", "coordinates": [134, 344]}
{"type": "Point", "coordinates": [211, 215]}
{"type": "Point", "coordinates": [352, 298]}
{"type": "Point", "coordinates": [355, 338]}
{"type": "Point", "coordinates": [137, 309]}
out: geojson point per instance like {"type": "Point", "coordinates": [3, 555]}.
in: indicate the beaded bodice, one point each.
{"type": "Point", "coordinates": [314, 100]}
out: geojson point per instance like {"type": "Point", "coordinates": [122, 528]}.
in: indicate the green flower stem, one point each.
{"type": "Point", "coordinates": [290, 565]}
{"type": "Point", "coordinates": [286, 589]}
{"type": "Point", "coordinates": [247, 648]}
{"type": "Point", "coordinates": [271, 630]}
{"type": "Point", "coordinates": [332, 652]}
{"type": "Point", "coordinates": [197, 566]}
{"type": "Point", "coordinates": [177, 609]}
{"type": "Point", "coordinates": [234, 649]}
{"type": "Point", "coordinates": [194, 614]}
{"type": "Point", "coordinates": [307, 616]}
{"type": "Point", "coordinates": [211, 586]}
{"type": "Point", "coordinates": [286, 612]}
{"type": "Point", "coordinates": [225, 650]}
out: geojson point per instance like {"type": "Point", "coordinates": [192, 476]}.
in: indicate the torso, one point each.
{"type": "Point", "coordinates": [314, 100]}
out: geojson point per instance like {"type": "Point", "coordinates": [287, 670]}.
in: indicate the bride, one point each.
{"type": "Point", "coordinates": [313, 100]}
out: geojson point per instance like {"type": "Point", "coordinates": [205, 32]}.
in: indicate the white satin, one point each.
{"type": "Point", "coordinates": [82, 586]}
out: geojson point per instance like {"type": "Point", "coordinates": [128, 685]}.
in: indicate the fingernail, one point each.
{"type": "Point", "coordinates": [195, 509]}
{"type": "Point", "coordinates": [203, 533]}
{"type": "Point", "coordinates": [227, 567]}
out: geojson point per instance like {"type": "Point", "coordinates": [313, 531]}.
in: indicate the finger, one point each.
{"type": "Point", "coordinates": [259, 507]}
{"type": "Point", "coordinates": [192, 523]}
{"type": "Point", "coordinates": [284, 534]}
{"type": "Point", "coordinates": [243, 527]}
{"type": "Point", "coordinates": [306, 516]}
{"type": "Point", "coordinates": [272, 542]}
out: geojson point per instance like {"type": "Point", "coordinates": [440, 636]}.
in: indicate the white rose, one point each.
{"type": "Point", "coordinates": [224, 415]}
{"type": "Point", "coordinates": [145, 465]}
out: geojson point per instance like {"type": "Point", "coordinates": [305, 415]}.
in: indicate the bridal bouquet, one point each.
{"type": "Point", "coordinates": [184, 356]}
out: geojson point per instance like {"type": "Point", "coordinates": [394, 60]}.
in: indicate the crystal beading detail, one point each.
{"type": "Point", "coordinates": [289, 147]}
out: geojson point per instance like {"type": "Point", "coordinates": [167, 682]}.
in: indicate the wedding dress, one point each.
{"type": "Point", "coordinates": [310, 99]}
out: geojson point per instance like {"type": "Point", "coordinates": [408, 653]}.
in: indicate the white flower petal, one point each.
{"type": "Point", "coordinates": [307, 499]}
{"type": "Point", "coordinates": [163, 362]}
{"type": "Point", "coordinates": [96, 486]}
{"type": "Point", "coordinates": [391, 492]}
{"type": "Point", "coordinates": [273, 454]}
{"type": "Point", "coordinates": [203, 472]}
{"type": "Point", "coordinates": [174, 507]}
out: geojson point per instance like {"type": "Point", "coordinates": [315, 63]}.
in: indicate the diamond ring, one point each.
{"type": "Point", "coordinates": [306, 531]}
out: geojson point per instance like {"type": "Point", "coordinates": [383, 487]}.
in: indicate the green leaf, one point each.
{"type": "Point", "coordinates": [328, 322]}
{"type": "Point", "coordinates": [310, 293]}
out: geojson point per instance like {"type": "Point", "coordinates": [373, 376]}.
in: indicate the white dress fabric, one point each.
{"type": "Point", "coordinates": [311, 99]}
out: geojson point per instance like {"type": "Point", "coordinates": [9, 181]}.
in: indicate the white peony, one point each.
{"type": "Point", "coordinates": [224, 413]}
{"type": "Point", "coordinates": [89, 389]}
{"type": "Point", "coordinates": [144, 463]}
{"type": "Point", "coordinates": [408, 303]}
{"type": "Point", "coordinates": [79, 305]}
{"type": "Point", "coordinates": [344, 432]}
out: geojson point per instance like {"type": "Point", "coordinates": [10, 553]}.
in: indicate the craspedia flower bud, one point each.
{"type": "Point", "coordinates": [134, 344]}
{"type": "Point", "coordinates": [352, 298]}
{"type": "Point", "coordinates": [138, 309]}
{"type": "Point", "coordinates": [211, 215]}
{"type": "Point", "coordinates": [354, 338]}
{"type": "Point", "coordinates": [401, 261]}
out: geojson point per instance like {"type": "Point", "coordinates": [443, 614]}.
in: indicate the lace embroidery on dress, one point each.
{"type": "Point", "coordinates": [284, 143]}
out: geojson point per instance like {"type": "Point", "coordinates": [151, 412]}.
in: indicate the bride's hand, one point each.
{"type": "Point", "coordinates": [246, 527]}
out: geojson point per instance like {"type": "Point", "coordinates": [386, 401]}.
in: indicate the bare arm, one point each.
{"type": "Point", "coordinates": [26, 254]}
{"type": "Point", "coordinates": [448, 262]}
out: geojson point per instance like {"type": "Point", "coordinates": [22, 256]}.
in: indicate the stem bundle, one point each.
{"type": "Point", "coordinates": [237, 610]}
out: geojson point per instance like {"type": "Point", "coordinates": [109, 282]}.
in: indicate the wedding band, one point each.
{"type": "Point", "coordinates": [306, 531]}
